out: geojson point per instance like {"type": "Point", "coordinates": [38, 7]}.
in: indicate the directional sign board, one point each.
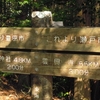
{"type": "Point", "coordinates": [64, 39]}
{"type": "Point", "coordinates": [56, 64]}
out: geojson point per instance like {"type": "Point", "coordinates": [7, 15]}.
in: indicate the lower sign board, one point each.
{"type": "Point", "coordinates": [64, 39]}
{"type": "Point", "coordinates": [55, 64]}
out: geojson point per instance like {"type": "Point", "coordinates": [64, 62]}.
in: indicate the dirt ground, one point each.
{"type": "Point", "coordinates": [9, 89]}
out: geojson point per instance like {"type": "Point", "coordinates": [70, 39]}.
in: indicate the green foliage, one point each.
{"type": "Point", "coordinates": [18, 12]}
{"type": "Point", "coordinates": [24, 23]}
{"type": "Point", "coordinates": [41, 5]}
{"type": "Point", "coordinates": [59, 14]}
{"type": "Point", "coordinates": [4, 74]}
{"type": "Point", "coordinates": [22, 3]}
{"type": "Point", "coordinates": [36, 5]}
{"type": "Point", "coordinates": [63, 87]}
{"type": "Point", "coordinates": [62, 94]}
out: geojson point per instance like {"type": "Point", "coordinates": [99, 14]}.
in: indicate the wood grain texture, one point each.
{"type": "Point", "coordinates": [55, 64]}
{"type": "Point", "coordinates": [64, 39]}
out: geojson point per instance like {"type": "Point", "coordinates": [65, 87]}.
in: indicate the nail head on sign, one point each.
{"type": "Point", "coordinates": [36, 69]}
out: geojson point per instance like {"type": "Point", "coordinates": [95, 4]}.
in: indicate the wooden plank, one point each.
{"type": "Point", "coordinates": [65, 39]}
{"type": "Point", "coordinates": [56, 64]}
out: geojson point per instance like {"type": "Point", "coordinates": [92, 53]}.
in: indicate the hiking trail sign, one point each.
{"type": "Point", "coordinates": [65, 39]}
{"type": "Point", "coordinates": [15, 58]}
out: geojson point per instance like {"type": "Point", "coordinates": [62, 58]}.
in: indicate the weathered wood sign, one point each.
{"type": "Point", "coordinates": [43, 63]}
{"type": "Point", "coordinates": [56, 64]}
{"type": "Point", "coordinates": [65, 39]}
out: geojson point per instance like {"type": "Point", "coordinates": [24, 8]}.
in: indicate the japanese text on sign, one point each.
{"type": "Point", "coordinates": [72, 65]}
{"type": "Point", "coordinates": [13, 37]}
{"type": "Point", "coordinates": [75, 39]}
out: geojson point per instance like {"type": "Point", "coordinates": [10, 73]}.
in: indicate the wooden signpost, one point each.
{"type": "Point", "coordinates": [70, 52]}
{"type": "Point", "coordinates": [38, 40]}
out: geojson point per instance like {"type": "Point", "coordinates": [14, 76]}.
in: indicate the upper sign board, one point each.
{"type": "Point", "coordinates": [64, 39]}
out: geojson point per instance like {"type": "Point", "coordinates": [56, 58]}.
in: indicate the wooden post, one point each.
{"type": "Point", "coordinates": [41, 19]}
{"type": "Point", "coordinates": [82, 89]}
{"type": "Point", "coordinates": [41, 85]}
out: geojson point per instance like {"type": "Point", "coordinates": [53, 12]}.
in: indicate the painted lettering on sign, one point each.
{"type": "Point", "coordinates": [57, 39]}
{"type": "Point", "coordinates": [75, 39]}
{"type": "Point", "coordinates": [21, 60]}
{"type": "Point", "coordinates": [15, 67]}
{"type": "Point", "coordinates": [78, 72]}
{"type": "Point", "coordinates": [12, 37]}
{"type": "Point", "coordinates": [8, 58]}
{"type": "Point", "coordinates": [89, 64]}
{"type": "Point", "coordinates": [14, 63]}
{"type": "Point", "coordinates": [54, 61]}
{"type": "Point", "coordinates": [84, 63]}
{"type": "Point", "coordinates": [49, 63]}
{"type": "Point", "coordinates": [57, 61]}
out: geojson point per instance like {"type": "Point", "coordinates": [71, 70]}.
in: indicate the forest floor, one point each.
{"type": "Point", "coordinates": [10, 90]}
